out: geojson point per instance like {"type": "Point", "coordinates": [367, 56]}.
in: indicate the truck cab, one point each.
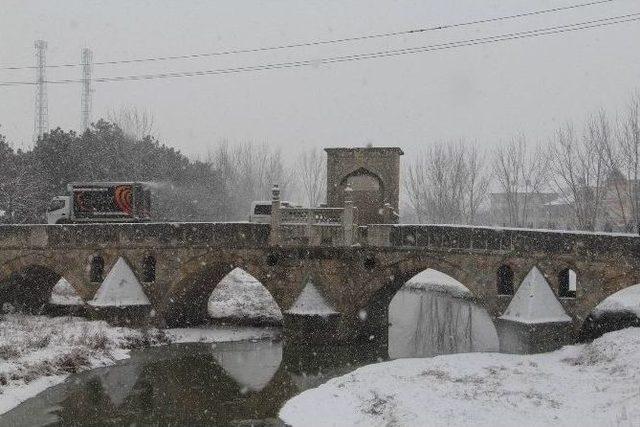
{"type": "Point", "coordinates": [59, 210]}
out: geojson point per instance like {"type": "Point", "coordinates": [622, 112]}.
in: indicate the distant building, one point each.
{"type": "Point", "coordinates": [524, 209]}
{"type": "Point", "coordinates": [616, 211]}
{"type": "Point", "coordinates": [560, 213]}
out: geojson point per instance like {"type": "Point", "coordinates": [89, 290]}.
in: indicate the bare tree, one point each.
{"type": "Point", "coordinates": [628, 144]}
{"type": "Point", "coordinates": [135, 123]}
{"type": "Point", "coordinates": [248, 172]}
{"type": "Point", "coordinates": [20, 190]}
{"type": "Point", "coordinates": [446, 184]}
{"type": "Point", "coordinates": [312, 176]}
{"type": "Point", "coordinates": [476, 183]}
{"type": "Point", "coordinates": [520, 174]}
{"type": "Point", "coordinates": [579, 171]}
{"type": "Point", "coordinates": [616, 193]}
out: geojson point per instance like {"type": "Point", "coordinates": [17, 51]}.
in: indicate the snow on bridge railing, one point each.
{"type": "Point", "coordinates": [140, 234]}
{"type": "Point", "coordinates": [293, 215]}
{"type": "Point", "coordinates": [484, 238]}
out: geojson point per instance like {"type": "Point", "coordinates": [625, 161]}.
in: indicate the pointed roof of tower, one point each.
{"type": "Point", "coordinates": [535, 302]}
{"type": "Point", "coordinates": [120, 288]}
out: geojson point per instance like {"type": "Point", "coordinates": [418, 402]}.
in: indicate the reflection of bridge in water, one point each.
{"type": "Point", "coordinates": [193, 384]}
{"type": "Point", "coordinates": [357, 269]}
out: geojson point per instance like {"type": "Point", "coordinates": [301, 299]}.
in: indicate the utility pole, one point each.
{"type": "Point", "coordinates": [85, 101]}
{"type": "Point", "coordinates": [41, 117]}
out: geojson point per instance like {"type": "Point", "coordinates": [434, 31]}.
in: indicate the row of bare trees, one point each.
{"type": "Point", "coordinates": [447, 183]}
{"type": "Point", "coordinates": [248, 171]}
{"type": "Point", "coordinates": [593, 170]}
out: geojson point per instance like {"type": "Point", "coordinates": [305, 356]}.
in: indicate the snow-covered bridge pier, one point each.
{"type": "Point", "coordinates": [356, 270]}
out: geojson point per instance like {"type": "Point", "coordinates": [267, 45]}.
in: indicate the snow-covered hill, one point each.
{"type": "Point", "coordinates": [588, 385]}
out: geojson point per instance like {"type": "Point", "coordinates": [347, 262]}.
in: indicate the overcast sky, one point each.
{"type": "Point", "coordinates": [483, 93]}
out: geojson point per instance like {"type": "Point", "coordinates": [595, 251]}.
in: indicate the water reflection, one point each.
{"type": "Point", "coordinates": [117, 383]}
{"type": "Point", "coordinates": [434, 314]}
{"type": "Point", "coordinates": [190, 384]}
{"type": "Point", "coordinates": [427, 323]}
{"type": "Point", "coordinates": [251, 364]}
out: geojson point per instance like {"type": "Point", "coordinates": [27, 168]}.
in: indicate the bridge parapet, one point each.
{"type": "Point", "coordinates": [491, 239]}
{"type": "Point", "coordinates": [228, 235]}
{"type": "Point", "coordinates": [314, 226]}
{"type": "Point", "coordinates": [321, 215]}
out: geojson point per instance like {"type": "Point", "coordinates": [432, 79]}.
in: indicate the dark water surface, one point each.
{"type": "Point", "coordinates": [238, 383]}
{"type": "Point", "coordinates": [246, 383]}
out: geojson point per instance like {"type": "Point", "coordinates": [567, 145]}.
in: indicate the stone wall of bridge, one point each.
{"type": "Point", "coordinates": [358, 281]}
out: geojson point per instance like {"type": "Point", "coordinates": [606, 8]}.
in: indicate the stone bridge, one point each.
{"type": "Point", "coordinates": [189, 259]}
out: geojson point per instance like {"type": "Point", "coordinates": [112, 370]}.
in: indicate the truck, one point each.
{"type": "Point", "coordinates": [91, 202]}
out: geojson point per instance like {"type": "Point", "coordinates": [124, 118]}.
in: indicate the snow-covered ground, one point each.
{"type": "Point", "coordinates": [589, 385]}
{"type": "Point", "coordinates": [240, 296]}
{"type": "Point", "coordinates": [37, 352]}
{"type": "Point", "coordinates": [220, 334]}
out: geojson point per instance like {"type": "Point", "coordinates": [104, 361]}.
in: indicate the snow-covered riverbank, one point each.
{"type": "Point", "coordinates": [37, 352]}
{"type": "Point", "coordinates": [589, 385]}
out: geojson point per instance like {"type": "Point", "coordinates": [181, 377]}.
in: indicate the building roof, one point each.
{"type": "Point", "coordinates": [397, 150]}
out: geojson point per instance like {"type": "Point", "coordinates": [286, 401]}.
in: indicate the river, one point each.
{"type": "Point", "coordinates": [246, 383]}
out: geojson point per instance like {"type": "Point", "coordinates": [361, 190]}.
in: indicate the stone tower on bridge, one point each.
{"type": "Point", "coordinates": [373, 173]}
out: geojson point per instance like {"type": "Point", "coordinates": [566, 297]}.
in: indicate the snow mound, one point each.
{"type": "Point", "coordinates": [535, 302]}
{"type": "Point", "coordinates": [587, 385]}
{"type": "Point", "coordinates": [624, 301]}
{"type": "Point", "coordinates": [239, 295]}
{"type": "Point", "coordinates": [64, 294]}
{"type": "Point", "coordinates": [434, 280]}
{"type": "Point", "coordinates": [311, 303]}
{"type": "Point", "coordinates": [120, 288]}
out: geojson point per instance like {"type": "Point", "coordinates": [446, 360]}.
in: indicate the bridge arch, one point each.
{"type": "Point", "coordinates": [29, 289]}
{"type": "Point", "coordinates": [394, 276]}
{"type": "Point", "coordinates": [187, 298]}
{"type": "Point", "coordinates": [40, 273]}
{"type": "Point", "coordinates": [242, 299]}
{"type": "Point", "coordinates": [433, 314]}
{"type": "Point", "coordinates": [481, 288]}
{"type": "Point", "coordinates": [617, 310]}
{"type": "Point", "coordinates": [368, 194]}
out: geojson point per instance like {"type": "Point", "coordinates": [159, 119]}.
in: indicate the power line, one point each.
{"type": "Point", "coordinates": [362, 56]}
{"type": "Point", "coordinates": [330, 41]}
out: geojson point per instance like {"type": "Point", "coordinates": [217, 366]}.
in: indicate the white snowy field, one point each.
{"type": "Point", "coordinates": [37, 352]}
{"type": "Point", "coordinates": [588, 385]}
